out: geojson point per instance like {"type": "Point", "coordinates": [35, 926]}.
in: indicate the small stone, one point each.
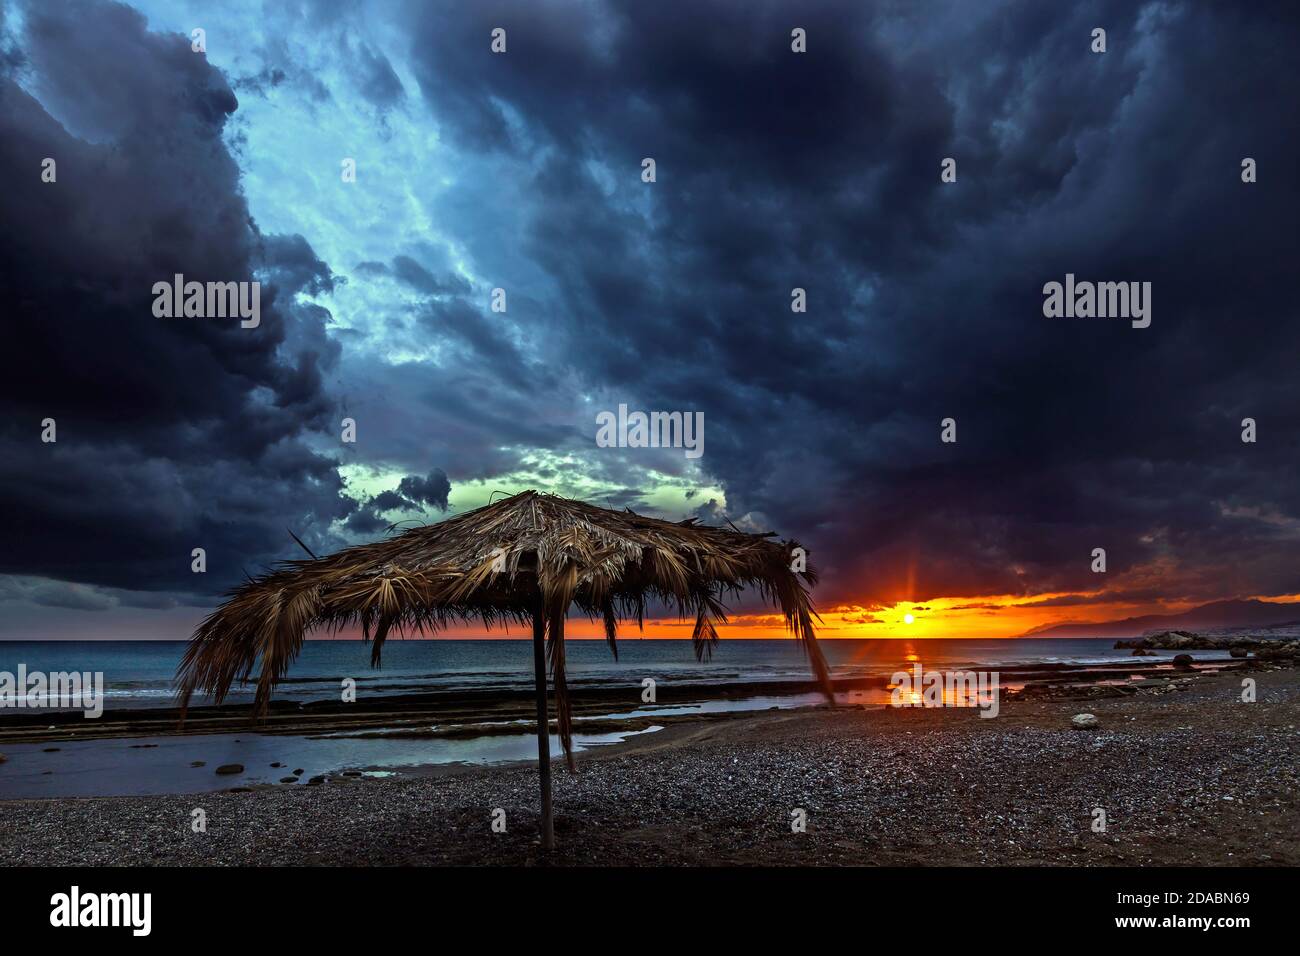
{"type": "Point", "coordinates": [288, 779]}
{"type": "Point", "coordinates": [1085, 722]}
{"type": "Point", "coordinates": [228, 768]}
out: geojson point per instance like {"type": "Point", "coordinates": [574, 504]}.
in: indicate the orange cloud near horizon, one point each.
{"type": "Point", "coordinates": [987, 616]}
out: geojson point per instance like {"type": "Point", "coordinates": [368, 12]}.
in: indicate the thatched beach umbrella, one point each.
{"type": "Point", "coordinates": [527, 558]}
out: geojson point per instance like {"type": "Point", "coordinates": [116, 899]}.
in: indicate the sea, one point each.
{"type": "Point", "coordinates": [140, 674]}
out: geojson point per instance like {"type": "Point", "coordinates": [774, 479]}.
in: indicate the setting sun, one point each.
{"type": "Point", "coordinates": [908, 619]}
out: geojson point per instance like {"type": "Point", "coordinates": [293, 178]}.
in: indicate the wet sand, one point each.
{"type": "Point", "coordinates": [1185, 772]}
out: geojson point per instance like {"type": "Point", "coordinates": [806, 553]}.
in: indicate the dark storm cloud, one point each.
{"type": "Point", "coordinates": [462, 418]}
{"type": "Point", "coordinates": [75, 596]}
{"type": "Point", "coordinates": [377, 79]}
{"type": "Point", "coordinates": [822, 171]}
{"type": "Point", "coordinates": [421, 279]}
{"type": "Point", "coordinates": [365, 521]}
{"type": "Point", "coordinates": [297, 266]}
{"type": "Point", "coordinates": [391, 501]}
{"type": "Point", "coordinates": [258, 84]}
{"type": "Point", "coordinates": [431, 489]}
{"type": "Point", "coordinates": [174, 433]}
{"type": "Point", "coordinates": [406, 269]}
{"type": "Point", "coordinates": [413, 493]}
{"type": "Point", "coordinates": [458, 321]}
{"type": "Point", "coordinates": [775, 170]}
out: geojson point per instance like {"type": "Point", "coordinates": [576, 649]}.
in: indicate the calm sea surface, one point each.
{"type": "Point", "coordinates": [140, 673]}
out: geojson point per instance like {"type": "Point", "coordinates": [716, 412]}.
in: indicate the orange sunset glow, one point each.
{"type": "Point", "coordinates": [990, 616]}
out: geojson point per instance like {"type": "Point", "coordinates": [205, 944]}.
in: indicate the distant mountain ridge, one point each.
{"type": "Point", "coordinates": [1216, 614]}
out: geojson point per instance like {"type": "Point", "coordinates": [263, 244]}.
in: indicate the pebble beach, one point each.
{"type": "Point", "coordinates": [1185, 773]}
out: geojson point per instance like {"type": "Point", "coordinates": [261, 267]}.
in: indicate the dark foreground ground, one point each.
{"type": "Point", "coordinates": [1192, 776]}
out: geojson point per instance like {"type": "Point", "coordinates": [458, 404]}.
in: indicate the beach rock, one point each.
{"type": "Point", "coordinates": [277, 764]}
{"type": "Point", "coordinates": [351, 773]}
{"type": "Point", "coordinates": [298, 772]}
{"type": "Point", "coordinates": [3, 758]}
{"type": "Point", "coordinates": [288, 779]}
{"type": "Point", "coordinates": [198, 763]}
{"type": "Point", "coordinates": [1169, 640]}
{"type": "Point", "coordinates": [228, 768]}
{"type": "Point", "coordinates": [1183, 661]}
{"type": "Point", "coordinates": [1238, 645]}
{"type": "Point", "coordinates": [1286, 649]}
{"type": "Point", "coordinates": [1143, 652]}
{"type": "Point", "coordinates": [1085, 722]}
{"type": "Point", "coordinates": [316, 781]}
{"type": "Point", "coordinates": [50, 750]}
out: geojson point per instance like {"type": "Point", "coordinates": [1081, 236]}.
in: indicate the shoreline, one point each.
{"type": "Point", "coordinates": [1186, 776]}
{"type": "Point", "coordinates": [139, 752]}
{"type": "Point", "coordinates": [473, 708]}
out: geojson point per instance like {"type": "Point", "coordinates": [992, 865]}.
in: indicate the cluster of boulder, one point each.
{"type": "Point", "coordinates": [1237, 645]}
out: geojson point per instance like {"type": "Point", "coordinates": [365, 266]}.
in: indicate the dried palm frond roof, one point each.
{"type": "Point", "coordinates": [527, 555]}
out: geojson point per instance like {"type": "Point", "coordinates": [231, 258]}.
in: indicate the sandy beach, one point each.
{"type": "Point", "coordinates": [1185, 772]}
